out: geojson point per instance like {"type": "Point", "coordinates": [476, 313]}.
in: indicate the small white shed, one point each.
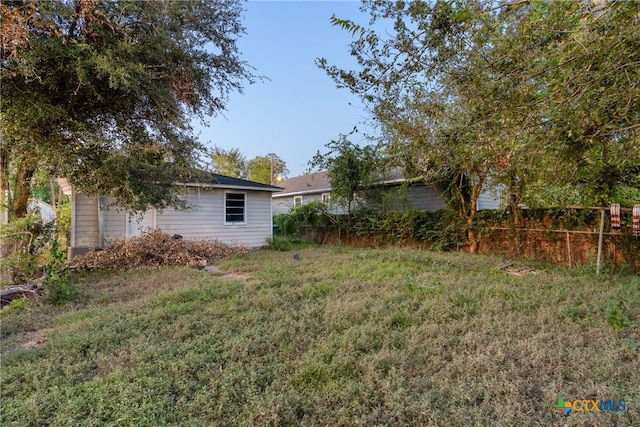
{"type": "Point", "coordinates": [230, 210]}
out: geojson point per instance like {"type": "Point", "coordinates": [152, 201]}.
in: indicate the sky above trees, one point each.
{"type": "Point", "coordinates": [297, 109]}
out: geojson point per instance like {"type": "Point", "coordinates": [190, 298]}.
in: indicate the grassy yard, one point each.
{"type": "Point", "coordinates": [342, 336]}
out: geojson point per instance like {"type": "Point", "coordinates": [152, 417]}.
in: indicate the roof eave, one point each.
{"type": "Point", "coordinates": [230, 187]}
{"type": "Point", "coordinates": [306, 192]}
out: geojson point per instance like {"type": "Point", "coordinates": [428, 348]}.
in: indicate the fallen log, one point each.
{"type": "Point", "coordinates": [30, 290]}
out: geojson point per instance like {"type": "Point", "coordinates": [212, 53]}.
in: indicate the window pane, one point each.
{"type": "Point", "coordinates": [234, 207]}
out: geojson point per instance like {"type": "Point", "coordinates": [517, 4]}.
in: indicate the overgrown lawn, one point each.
{"type": "Point", "coordinates": [339, 336]}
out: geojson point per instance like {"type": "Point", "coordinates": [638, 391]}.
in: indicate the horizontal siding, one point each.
{"type": "Point", "coordinates": [205, 219]}
{"type": "Point", "coordinates": [114, 225]}
{"type": "Point", "coordinates": [86, 221]}
{"type": "Point", "coordinates": [285, 204]}
{"type": "Point", "coordinates": [424, 198]}
{"type": "Point", "coordinates": [417, 197]}
{"type": "Point", "coordinates": [491, 199]}
{"type": "Point", "coordinates": [282, 205]}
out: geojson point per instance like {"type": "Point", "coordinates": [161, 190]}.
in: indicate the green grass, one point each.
{"type": "Point", "coordinates": [339, 337]}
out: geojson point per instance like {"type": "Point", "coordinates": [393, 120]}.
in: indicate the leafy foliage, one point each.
{"type": "Point", "coordinates": [527, 95]}
{"type": "Point", "coordinates": [301, 218]}
{"type": "Point", "coordinates": [351, 170]}
{"type": "Point", "coordinates": [228, 162]}
{"type": "Point", "coordinates": [103, 92]}
{"type": "Point", "coordinates": [23, 245]}
{"type": "Point", "coordinates": [57, 282]}
{"type": "Point", "coordinates": [267, 169]}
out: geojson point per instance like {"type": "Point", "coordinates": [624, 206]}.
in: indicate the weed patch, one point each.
{"type": "Point", "coordinates": [339, 337]}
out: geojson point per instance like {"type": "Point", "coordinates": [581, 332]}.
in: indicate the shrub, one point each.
{"type": "Point", "coordinates": [279, 243]}
{"type": "Point", "coordinates": [23, 248]}
{"type": "Point", "coordinates": [312, 215]}
{"type": "Point", "coordinates": [58, 286]}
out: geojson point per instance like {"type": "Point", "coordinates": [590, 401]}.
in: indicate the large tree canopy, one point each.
{"type": "Point", "coordinates": [470, 93]}
{"type": "Point", "coordinates": [103, 92]}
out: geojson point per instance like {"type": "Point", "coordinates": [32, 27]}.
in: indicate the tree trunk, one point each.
{"type": "Point", "coordinates": [473, 209]}
{"type": "Point", "coordinates": [515, 190]}
{"type": "Point", "coordinates": [22, 191]}
{"type": "Point", "coordinates": [516, 197]}
{"type": "Point", "coordinates": [4, 183]}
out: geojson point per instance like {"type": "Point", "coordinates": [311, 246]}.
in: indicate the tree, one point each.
{"type": "Point", "coordinates": [351, 170]}
{"type": "Point", "coordinates": [269, 169]}
{"type": "Point", "coordinates": [437, 86]}
{"type": "Point", "coordinates": [228, 162]}
{"type": "Point", "coordinates": [470, 93]}
{"type": "Point", "coordinates": [102, 92]}
{"type": "Point", "coordinates": [591, 73]}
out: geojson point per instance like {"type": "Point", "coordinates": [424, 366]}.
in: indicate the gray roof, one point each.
{"type": "Point", "coordinates": [317, 182]}
{"type": "Point", "coordinates": [198, 178]}
{"type": "Point", "coordinates": [228, 181]}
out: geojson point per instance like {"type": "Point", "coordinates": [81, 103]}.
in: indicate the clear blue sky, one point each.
{"type": "Point", "coordinates": [299, 110]}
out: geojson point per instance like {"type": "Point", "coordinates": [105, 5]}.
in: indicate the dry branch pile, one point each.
{"type": "Point", "coordinates": [156, 249]}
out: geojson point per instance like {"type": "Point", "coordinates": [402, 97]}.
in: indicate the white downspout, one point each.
{"type": "Point", "coordinates": [100, 224]}
{"type": "Point", "coordinates": [73, 218]}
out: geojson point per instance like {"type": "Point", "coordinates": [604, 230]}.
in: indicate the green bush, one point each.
{"type": "Point", "coordinates": [58, 286]}
{"type": "Point", "coordinates": [442, 228]}
{"type": "Point", "coordinates": [24, 242]}
{"type": "Point", "coordinates": [312, 215]}
{"type": "Point", "coordinates": [279, 243]}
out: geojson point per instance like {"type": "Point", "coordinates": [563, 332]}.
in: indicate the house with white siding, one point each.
{"type": "Point", "coordinates": [230, 210]}
{"type": "Point", "coordinates": [390, 192]}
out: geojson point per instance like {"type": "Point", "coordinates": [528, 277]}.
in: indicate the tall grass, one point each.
{"type": "Point", "coordinates": [334, 336]}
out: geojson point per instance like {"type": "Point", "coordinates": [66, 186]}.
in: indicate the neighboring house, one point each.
{"type": "Point", "coordinates": [230, 210]}
{"type": "Point", "coordinates": [302, 190]}
{"type": "Point", "coordinates": [46, 211]}
{"type": "Point", "coordinates": [389, 193]}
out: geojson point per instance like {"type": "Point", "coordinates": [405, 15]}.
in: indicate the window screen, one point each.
{"type": "Point", "coordinates": [234, 207]}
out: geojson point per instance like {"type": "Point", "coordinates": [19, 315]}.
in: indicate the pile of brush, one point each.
{"type": "Point", "coordinates": [156, 249]}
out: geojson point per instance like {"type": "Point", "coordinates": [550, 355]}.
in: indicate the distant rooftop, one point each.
{"type": "Point", "coordinates": [317, 182]}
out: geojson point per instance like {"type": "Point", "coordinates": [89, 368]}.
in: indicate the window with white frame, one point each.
{"type": "Point", "coordinates": [326, 198]}
{"type": "Point", "coordinates": [234, 208]}
{"type": "Point", "coordinates": [297, 201]}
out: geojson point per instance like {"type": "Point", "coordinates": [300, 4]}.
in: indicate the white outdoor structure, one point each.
{"type": "Point", "coordinates": [230, 210]}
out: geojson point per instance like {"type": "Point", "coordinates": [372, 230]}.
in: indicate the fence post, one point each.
{"type": "Point", "coordinates": [600, 237]}
{"type": "Point", "coordinates": [569, 249]}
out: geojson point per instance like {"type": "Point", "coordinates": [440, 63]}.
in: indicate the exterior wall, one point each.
{"type": "Point", "coordinates": [491, 199]}
{"type": "Point", "coordinates": [424, 198]}
{"type": "Point", "coordinates": [285, 204]}
{"type": "Point", "coordinates": [415, 197]}
{"type": "Point", "coordinates": [205, 219]}
{"type": "Point", "coordinates": [114, 224]}
{"type": "Point", "coordinates": [400, 198]}
{"type": "Point", "coordinates": [84, 222]}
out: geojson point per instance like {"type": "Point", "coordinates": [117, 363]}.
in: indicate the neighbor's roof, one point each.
{"type": "Point", "coordinates": [317, 182]}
